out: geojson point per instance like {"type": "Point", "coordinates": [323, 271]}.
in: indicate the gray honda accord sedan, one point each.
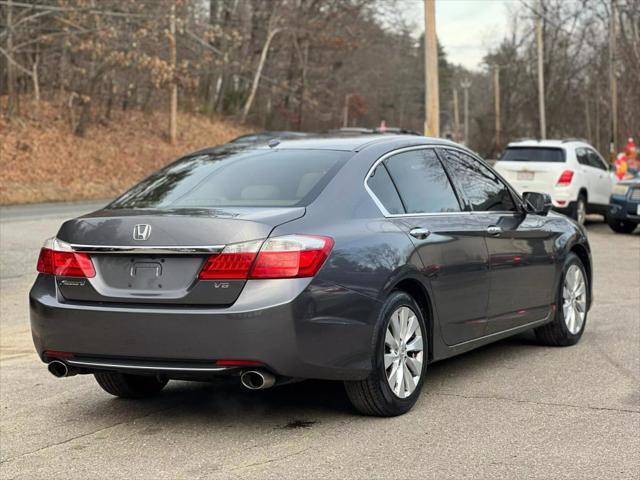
{"type": "Point", "coordinates": [357, 259]}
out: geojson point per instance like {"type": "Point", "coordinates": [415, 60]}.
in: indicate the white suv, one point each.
{"type": "Point", "coordinates": [571, 171]}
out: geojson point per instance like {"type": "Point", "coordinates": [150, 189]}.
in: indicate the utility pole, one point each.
{"type": "Point", "coordinates": [613, 81]}
{"type": "Point", "coordinates": [173, 94]}
{"type": "Point", "coordinates": [496, 93]}
{"type": "Point", "coordinates": [466, 84]}
{"type": "Point", "coordinates": [432, 103]}
{"type": "Point", "coordinates": [540, 44]}
{"type": "Point", "coordinates": [456, 117]}
{"type": "Point", "coordinates": [345, 110]}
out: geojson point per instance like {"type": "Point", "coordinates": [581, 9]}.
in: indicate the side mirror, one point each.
{"type": "Point", "coordinates": [538, 203]}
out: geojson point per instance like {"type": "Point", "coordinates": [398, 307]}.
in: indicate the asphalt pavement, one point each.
{"type": "Point", "coordinates": [514, 409]}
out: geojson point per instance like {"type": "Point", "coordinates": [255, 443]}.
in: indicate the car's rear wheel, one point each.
{"type": "Point", "coordinates": [571, 307]}
{"type": "Point", "coordinates": [129, 386]}
{"type": "Point", "coordinates": [621, 226]}
{"type": "Point", "coordinates": [579, 213]}
{"type": "Point", "coordinates": [401, 353]}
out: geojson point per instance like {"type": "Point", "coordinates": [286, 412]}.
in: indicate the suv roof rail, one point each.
{"type": "Point", "coordinates": [574, 139]}
{"type": "Point", "coordinates": [524, 139]}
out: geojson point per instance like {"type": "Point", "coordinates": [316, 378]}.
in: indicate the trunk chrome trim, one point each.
{"type": "Point", "coordinates": [164, 249]}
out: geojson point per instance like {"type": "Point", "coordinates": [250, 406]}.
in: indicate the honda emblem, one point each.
{"type": "Point", "coordinates": [141, 231]}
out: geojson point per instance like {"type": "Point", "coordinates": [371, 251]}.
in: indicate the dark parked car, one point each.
{"type": "Point", "coordinates": [358, 259]}
{"type": "Point", "coordinates": [623, 215]}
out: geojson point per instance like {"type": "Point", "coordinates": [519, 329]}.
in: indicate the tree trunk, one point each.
{"type": "Point", "coordinates": [258, 74]}
{"type": "Point", "coordinates": [173, 89]}
{"type": "Point", "coordinates": [303, 85]}
{"type": "Point", "coordinates": [85, 115]}
{"type": "Point", "coordinates": [11, 77]}
{"type": "Point", "coordinates": [34, 79]}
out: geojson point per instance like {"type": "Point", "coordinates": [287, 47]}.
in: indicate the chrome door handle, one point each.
{"type": "Point", "coordinates": [494, 230]}
{"type": "Point", "coordinates": [420, 233]}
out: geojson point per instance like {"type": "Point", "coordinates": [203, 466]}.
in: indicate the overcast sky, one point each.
{"type": "Point", "coordinates": [466, 28]}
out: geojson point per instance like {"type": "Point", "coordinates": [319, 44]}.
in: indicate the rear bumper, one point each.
{"type": "Point", "coordinates": [567, 210]}
{"type": "Point", "coordinates": [295, 327]}
{"type": "Point", "coordinates": [562, 198]}
{"type": "Point", "coordinates": [621, 208]}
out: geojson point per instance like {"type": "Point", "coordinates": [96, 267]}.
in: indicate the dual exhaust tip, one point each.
{"type": "Point", "coordinates": [257, 380]}
{"type": "Point", "coordinates": [59, 369]}
{"type": "Point", "coordinates": [250, 379]}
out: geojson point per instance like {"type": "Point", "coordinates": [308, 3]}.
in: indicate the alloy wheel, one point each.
{"type": "Point", "coordinates": [403, 352]}
{"type": "Point", "coordinates": [581, 211]}
{"type": "Point", "coordinates": [574, 299]}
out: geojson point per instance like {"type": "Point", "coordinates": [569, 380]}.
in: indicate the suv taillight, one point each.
{"type": "Point", "coordinates": [290, 256]}
{"type": "Point", "coordinates": [565, 177]}
{"type": "Point", "coordinates": [64, 263]}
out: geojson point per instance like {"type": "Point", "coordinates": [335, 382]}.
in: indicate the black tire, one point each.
{"type": "Point", "coordinates": [580, 203]}
{"type": "Point", "coordinates": [373, 395]}
{"type": "Point", "coordinates": [129, 386]}
{"type": "Point", "coordinates": [621, 226]}
{"type": "Point", "coordinates": [556, 333]}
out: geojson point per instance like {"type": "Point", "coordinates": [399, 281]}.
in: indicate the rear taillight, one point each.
{"type": "Point", "coordinates": [290, 256]}
{"type": "Point", "coordinates": [64, 263]}
{"type": "Point", "coordinates": [565, 177]}
{"type": "Point", "coordinates": [232, 263]}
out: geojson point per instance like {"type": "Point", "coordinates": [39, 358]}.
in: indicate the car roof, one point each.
{"type": "Point", "coordinates": [548, 143]}
{"type": "Point", "coordinates": [343, 143]}
{"type": "Point", "coordinates": [352, 143]}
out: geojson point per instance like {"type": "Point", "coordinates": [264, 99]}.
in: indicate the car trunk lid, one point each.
{"type": "Point", "coordinates": [162, 264]}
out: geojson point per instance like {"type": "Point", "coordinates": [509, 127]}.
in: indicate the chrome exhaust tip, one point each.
{"type": "Point", "coordinates": [58, 369]}
{"type": "Point", "coordinates": [257, 380]}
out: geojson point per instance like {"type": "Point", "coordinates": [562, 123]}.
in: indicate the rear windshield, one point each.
{"type": "Point", "coordinates": [236, 177]}
{"type": "Point", "coordinates": [533, 154]}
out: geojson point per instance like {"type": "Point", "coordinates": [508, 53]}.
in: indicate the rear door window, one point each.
{"type": "Point", "coordinates": [383, 188]}
{"type": "Point", "coordinates": [533, 154]}
{"type": "Point", "coordinates": [483, 189]}
{"type": "Point", "coordinates": [422, 182]}
{"type": "Point", "coordinates": [237, 177]}
{"type": "Point", "coordinates": [583, 157]}
{"type": "Point", "coordinates": [595, 160]}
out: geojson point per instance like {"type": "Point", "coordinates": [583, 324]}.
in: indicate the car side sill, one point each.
{"type": "Point", "coordinates": [468, 345]}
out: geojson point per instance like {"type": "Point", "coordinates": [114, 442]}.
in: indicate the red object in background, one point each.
{"type": "Point", "coordinates": [621, 166]}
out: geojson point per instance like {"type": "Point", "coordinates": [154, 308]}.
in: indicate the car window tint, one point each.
{"type": "Point", "coordinates": [583, 157]}
{"type": "Point", "coordinates": [484, 190]}
{"type": "Point", "coordinates": [236, 176]}
{"type": "Point", "coordinates": [382, 187]}
{"type": "Point", "coordinates": [595, 160]}
{"type": "Point", "coordinates": [422, 182]}
{"type": "Point", "coordinates": [533, 154]}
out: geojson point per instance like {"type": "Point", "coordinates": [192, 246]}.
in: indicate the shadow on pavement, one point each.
{"type": "Point", "coordinates": [224, 403]}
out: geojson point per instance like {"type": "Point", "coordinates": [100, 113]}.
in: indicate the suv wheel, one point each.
{"type": "Point", "coordinates": [620, 226]}
{"type": "Point", "coordinates": [400, 362]}
{"type": "Point", "coordinates": [579, 213]}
